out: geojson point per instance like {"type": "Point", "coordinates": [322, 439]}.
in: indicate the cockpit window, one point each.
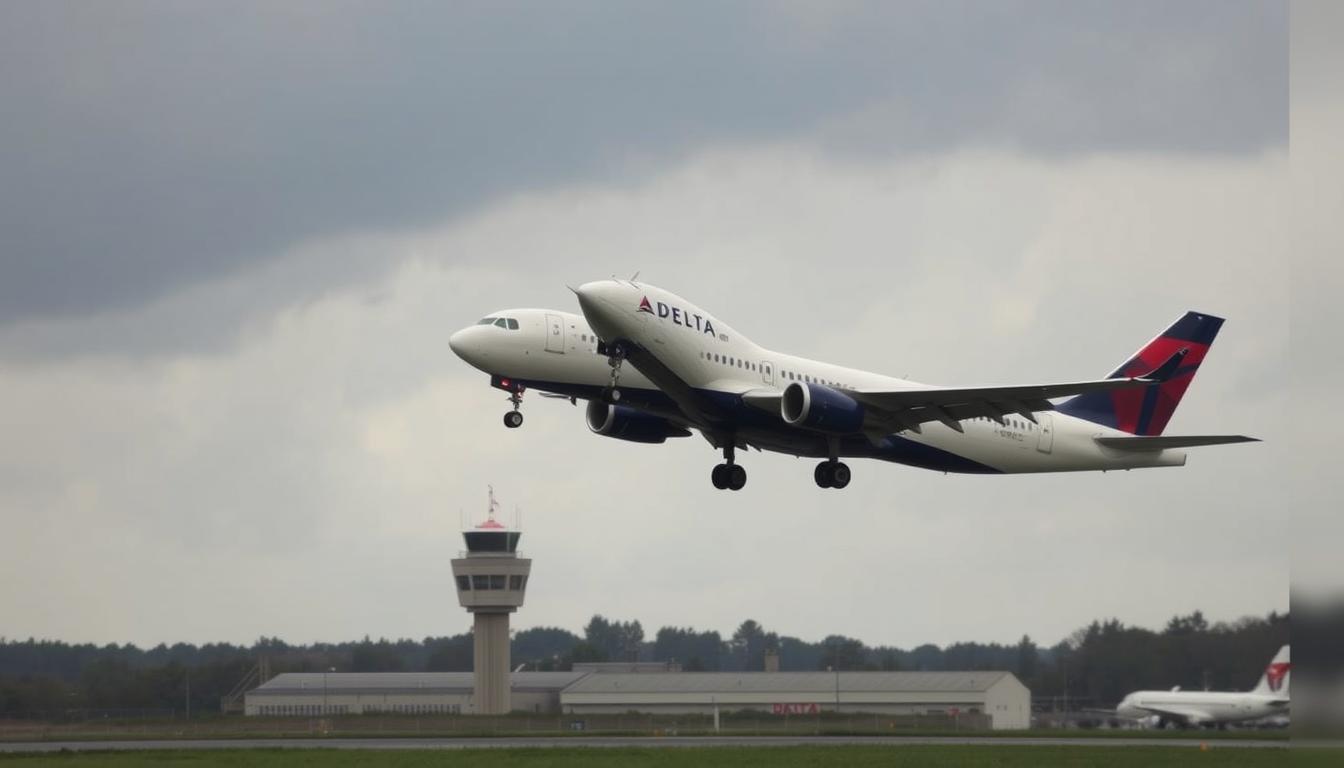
{"type": "Point", "coordinates": [500, 322]}
{"type": "Point", "coordinates": [513, 324]}
{"type": "Point", "coordinates": [486, 321]}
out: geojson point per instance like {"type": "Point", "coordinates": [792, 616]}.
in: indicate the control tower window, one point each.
{"type": "Point", "coordinates": [486, 321]}
{"type": "Point", "coordinates": [515, 583]}
{"type": "Point", "coordinates": [463, 583]}
{"type": "Point", "coordinates": [497, 581]}
{"type": "Point", "coordinates": [480, 581]}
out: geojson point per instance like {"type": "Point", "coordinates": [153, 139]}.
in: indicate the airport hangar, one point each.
{"type": "Point", "coordinates": [602, 689]}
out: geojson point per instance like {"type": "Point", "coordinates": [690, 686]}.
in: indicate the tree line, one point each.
{"type": "Point", "coordinates": [1095, 666]}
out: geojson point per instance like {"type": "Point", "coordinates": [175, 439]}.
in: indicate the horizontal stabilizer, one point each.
{"type": "Point", "coordinates": [1139, 443]}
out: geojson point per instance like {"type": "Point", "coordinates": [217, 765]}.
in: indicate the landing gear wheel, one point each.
{"type": "Point", "coordinates": [720, 476]}
{"type": "Point", "coordinates": [822, 474]}
{"type": "Point", "coordinates": [840, 475]}
{"type": "Point", "coordinates": [513, 419]}
{"type": "Point", "coordinates": [737, 477]}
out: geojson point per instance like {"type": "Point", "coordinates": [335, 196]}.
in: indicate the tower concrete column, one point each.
{"type": "Point", "coordinates": [491, 582]}
{"type": "Point", "coordinates": [491, 663]}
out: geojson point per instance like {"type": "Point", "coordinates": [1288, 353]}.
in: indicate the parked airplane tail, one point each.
{"type": "Point", "coordinates": [1274, 682]}
{"type": "Point", "coordinates": [1146, 411]}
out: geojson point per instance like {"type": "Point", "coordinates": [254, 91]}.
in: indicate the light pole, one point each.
{"type": "Point", "coordinates": [837, 678]}
{"type": "Point", "coordinates": [324, 689]}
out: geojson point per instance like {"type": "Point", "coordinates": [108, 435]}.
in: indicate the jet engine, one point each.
{"type": "Point", "coordinates": [625, 423]}
{"type": "Point", "coordinates": [816, 406]}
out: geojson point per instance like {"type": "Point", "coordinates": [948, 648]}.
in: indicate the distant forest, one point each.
{"type": "Point", "coordinates": [1095, 666]}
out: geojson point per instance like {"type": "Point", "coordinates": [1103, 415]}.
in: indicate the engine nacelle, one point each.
{"type": "Point", "coordinates": [816, 406]}
{"type": "Point", "coordinates": [625, 423]}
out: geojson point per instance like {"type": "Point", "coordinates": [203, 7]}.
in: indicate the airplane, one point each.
{"type": "Point", "coordinates": [652, 366]}
{"type": "Point", "coordinates": [1269, 698]}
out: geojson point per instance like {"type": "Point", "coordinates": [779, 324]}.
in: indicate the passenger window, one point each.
{"type": "Point", "coordinates": [513, 324]}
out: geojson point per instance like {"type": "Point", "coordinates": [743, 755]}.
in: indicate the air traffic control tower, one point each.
{"type": "Point", "coordinates": [491, 579]}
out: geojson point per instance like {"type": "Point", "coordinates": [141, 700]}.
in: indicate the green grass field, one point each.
{"type": "Point", "coordinates": [743, 757]}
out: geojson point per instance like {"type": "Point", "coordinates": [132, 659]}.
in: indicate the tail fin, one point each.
{"type": "Point", "coordinates": [1274, 682]}
{"type": "Point", "coordinates": [1146, 411]}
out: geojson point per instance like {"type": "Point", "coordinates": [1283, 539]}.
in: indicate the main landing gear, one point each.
{"type": "Point", "coordinates": [728, 476]}
{"type": "Point", "coordinates": [831, 474]}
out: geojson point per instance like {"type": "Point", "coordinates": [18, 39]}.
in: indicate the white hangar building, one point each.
{"type": "Point", "coordinates": [417, 693]}
{"type": "Point", "coordinates": [999, 695]}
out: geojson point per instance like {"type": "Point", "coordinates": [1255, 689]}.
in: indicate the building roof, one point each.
{"type": "Point", "coordinates": [785, 682]}
{"type": "Point", "coordinates": [403, 682]}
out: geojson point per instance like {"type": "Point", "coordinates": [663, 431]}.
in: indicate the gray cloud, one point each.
{"type": "Point", "coordinates": [148, 146]}
{"type": "Point", "coordinates": [306, 481]}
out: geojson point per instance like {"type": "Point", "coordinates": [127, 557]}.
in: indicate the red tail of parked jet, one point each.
{"type": "Point", "coordinates": [1146, 411]}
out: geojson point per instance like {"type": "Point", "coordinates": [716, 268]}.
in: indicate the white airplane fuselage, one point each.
{"type": "Point", "coordinates": [1269, 698]}
{"type": "Point", "coordinates": [1206, 707]}
{"type": "Point", "coordinates": [682, 358]}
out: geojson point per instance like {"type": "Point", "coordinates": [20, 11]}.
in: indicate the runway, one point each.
{"type": "Point", "coordinates": [671, 742]}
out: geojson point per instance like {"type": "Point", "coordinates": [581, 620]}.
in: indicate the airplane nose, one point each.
{"type": "Point", "coordinates": [457, 342]}
{"type": "Point", "coordinates": [466, 343]}
{"type": "Point", "coordinates": [590, 297]}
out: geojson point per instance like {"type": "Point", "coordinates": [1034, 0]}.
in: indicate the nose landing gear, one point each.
{"type": "Point", "coordinates": [612, 394]}
{"type": "Point", "coordinates": [514, 419]}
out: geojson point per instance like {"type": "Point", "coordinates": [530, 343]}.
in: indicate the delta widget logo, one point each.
{"type": "Point", "coordinates": [678, 316]}
{"type": "Point", "coordinates": [1275, 674]}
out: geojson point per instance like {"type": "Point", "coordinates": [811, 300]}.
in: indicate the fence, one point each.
{"type": "Point", "coordinates": [632, 724]}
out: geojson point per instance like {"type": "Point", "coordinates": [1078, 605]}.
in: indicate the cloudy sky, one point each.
{"type": "Point", "coordinates": [234, 240]}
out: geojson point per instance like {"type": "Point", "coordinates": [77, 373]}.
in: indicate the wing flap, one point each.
{"type": "Point", "coordinates": [1139, 443]}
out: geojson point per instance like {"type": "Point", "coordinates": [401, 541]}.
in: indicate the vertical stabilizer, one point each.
{"type": "Point", "coordinates": [1146, 411]}
{"type": "Point", "coordinates": [1274, 682]}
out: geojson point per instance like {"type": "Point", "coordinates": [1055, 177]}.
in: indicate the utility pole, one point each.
{"type": "Point", "coordinates": [324, 689]}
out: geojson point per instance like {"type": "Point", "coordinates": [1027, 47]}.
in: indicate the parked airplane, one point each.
{"type": "Point", "coordinates": [1269, 698]}
{"type": "Point", "coordinates": [653, 365]}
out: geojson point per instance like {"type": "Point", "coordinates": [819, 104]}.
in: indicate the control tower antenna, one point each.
{"type": "Point", "coordinates": [491, 581]}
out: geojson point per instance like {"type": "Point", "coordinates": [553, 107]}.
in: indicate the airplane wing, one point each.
{"type": "Point", "coordinates": [909, 408]}
{"type": "Point", "coordinates": [902, 409]}
{"type": "Point", "coordinates": [1190, 715]}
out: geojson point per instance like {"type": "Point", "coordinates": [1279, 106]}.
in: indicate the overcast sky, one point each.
{"type": "Point", "coordinates": [235, 238]}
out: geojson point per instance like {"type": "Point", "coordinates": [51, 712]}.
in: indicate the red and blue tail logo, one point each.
{"type": "Point", "coordinates": [1146, 411]}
